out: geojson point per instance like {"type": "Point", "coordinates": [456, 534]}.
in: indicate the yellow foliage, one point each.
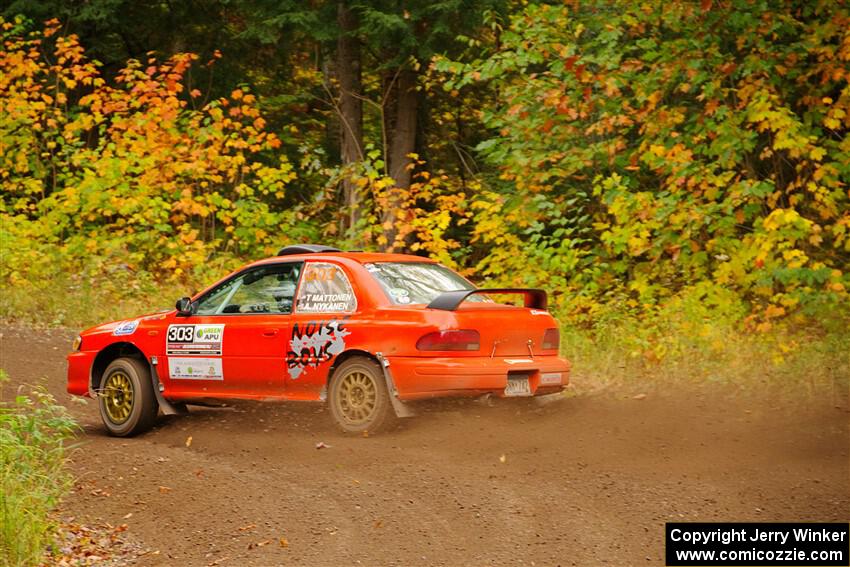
{"type": "Point", "coordinates": [159, 165]}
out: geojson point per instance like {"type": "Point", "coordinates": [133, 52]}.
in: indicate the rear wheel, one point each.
{"type": "Point", "coordinates": [358, 397]}
{"type": "Point", "coordinates": [126, 398]}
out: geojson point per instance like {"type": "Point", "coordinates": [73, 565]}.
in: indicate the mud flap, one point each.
{"type": "Point", "coordinates": [166, 406]}
{"type": "Point", "coordinates": [401, 409]}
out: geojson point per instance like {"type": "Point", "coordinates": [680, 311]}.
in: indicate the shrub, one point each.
{"type": "Point", "coordinates": [33, 431]}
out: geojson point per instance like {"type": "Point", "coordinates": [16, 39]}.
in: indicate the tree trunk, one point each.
{"type": "Point", "coordinates": [401, 111]}
{"type": "Point", "coordinates": [350, 105]}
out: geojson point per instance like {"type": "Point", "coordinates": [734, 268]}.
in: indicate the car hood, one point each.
{"type": "Point", "coordinates": [109, 328]}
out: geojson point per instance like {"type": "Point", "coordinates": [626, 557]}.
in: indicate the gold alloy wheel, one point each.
{"type": "Point", "coordinates": [358, 397]}
{"type": "Point", "coordinates": [118, 394]}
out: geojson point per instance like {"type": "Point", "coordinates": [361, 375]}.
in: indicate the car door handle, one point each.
{"type": "Point", "coordinates": [270, 332]}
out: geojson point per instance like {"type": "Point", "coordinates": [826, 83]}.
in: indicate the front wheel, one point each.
{"type": "Point", "coordinates": [358, 397]}
{"type": "Point", "coordinates": [126, 398]}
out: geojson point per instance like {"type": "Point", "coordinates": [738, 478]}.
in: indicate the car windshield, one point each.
{"type": "Point", "coordinates": [417, 282]}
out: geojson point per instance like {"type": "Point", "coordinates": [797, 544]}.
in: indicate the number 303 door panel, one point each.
{"type": "Point", "coordinates": [227, 354]}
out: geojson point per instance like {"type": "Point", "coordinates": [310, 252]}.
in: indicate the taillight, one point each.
{"type": "Point", "coordinates": [464, 339]}
{"type": "Point", "coordinates": [552, 339]}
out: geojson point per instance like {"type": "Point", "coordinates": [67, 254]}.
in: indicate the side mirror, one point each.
{"type": "Point", "coordinates": [184, 307]}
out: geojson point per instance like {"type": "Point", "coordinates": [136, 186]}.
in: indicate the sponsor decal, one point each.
{"type": "Point", "coordinates": [539, 312]}
{"type": "Point", "coordinates": [400, 295]}
{"type": "Point", "coordinates": [126, 328]}
{"type": "Point", "coordinates": [320, 273]}
{"type": "Point", "coordinates": [195, 368]}
{"type": "Point", "coordinates": [518, 360]}
{"type": "Point", "coordinates": [194, 339]}
{"type": "Point", "coordinates": [325, 302]}
{"type": "Point", "coordinates": [325, 289]}
{"type": "Point", "coordinates": [550, 378]}
{"type": "Point", "coordinates": [314, 343]}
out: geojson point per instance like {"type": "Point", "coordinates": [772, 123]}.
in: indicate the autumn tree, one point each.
{"type": "Point", "coordinates": [646, 150]}
{"type": "Point", "coordinates": [141, 171]}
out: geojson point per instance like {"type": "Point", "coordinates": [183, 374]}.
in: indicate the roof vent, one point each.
{"type": "Point", "coordinates": [306, 249]}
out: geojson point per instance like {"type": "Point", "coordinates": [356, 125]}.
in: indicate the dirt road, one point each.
{"type": "Point", "coordinates": [585, 481]}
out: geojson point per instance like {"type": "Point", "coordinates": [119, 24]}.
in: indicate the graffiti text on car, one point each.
{"type": "Point", "coordinates": [314, 343]}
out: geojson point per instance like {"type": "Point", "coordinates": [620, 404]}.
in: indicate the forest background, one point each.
{"type": "Point", "coordinates": [674, 173]}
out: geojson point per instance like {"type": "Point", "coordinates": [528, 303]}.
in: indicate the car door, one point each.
{"type": "Point", "coordinates": [326, 301]}
{"type": "Point", "coordinates": [235, 343]}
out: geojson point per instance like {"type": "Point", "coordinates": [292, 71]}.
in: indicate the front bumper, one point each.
{"type": "Point", "coordinates": [79, 372]}
{"type": "Point", "coordinates": [430, 377]}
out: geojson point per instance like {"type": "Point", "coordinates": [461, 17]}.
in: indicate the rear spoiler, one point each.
{"type": "Point", "coordinates": [451, 300]}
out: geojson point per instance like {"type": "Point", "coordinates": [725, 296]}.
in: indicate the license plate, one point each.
{"type": "Point", "coordinates": [517, 387]}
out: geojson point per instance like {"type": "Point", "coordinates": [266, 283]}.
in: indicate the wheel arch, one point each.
{"type": "Point", "coordinates": [345, 355]}
{"type": "Point", "coordinates": [400, 409]}
{"type": "Point", "coordinates": [105, 357]}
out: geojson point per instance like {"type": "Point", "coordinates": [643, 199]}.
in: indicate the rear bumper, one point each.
{"type": "Point", "coordinates": [79, 372]}
{"type": "Point", "coordinates": [421, 377]}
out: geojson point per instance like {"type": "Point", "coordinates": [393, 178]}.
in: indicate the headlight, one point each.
{"type": "Point", "coordinates": [78, 342]}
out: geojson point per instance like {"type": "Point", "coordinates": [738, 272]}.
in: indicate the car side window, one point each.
{"type": "Point", "coordinates": [325, 289]}
{"type": "Point", "coordinates": [267, 289]}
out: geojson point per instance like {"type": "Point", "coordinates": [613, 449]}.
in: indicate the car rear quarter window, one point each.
{"type": "Point", "coordinates": [325, 289]}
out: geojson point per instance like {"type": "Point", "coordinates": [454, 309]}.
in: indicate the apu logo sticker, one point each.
{"type": "Point", "coordinates": [194, 339]}
{"type": "Point", "coordinates": [126, 328]}
{"type": "Point", "coordinates": [314, 343]}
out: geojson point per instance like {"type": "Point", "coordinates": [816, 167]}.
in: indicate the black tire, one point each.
{"type": "Point", "coordinates": [358, 397]}
{"type": "Point", "coordinates": [126, 414]}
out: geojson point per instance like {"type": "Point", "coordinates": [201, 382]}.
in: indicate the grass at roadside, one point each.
{"type": "Point", "coordinates": [81, 301]}
{"type": "Point", "coordinates": [803, 363]}
{"type": "Point", "coordinates": [33, 477]}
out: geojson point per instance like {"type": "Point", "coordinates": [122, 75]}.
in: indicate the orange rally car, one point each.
{"type": "Point", "coordinates": [364, 332]}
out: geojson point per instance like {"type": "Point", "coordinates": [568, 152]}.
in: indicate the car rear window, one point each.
{"type": "Point", "coordinates": [417, 282]}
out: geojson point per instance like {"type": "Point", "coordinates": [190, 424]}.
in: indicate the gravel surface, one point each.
{"type": "Point", "coordinates": [589, 480]}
